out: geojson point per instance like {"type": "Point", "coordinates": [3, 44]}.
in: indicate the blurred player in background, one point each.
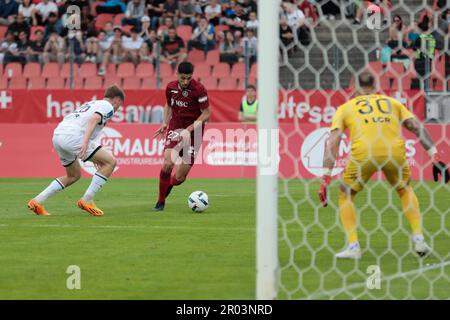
{"type": "Point", "coordinates": [374, 123]}
{"type": "Point", "coordinates": [186, 111]}
{"type": "Point", "coordinates": [73, 139]}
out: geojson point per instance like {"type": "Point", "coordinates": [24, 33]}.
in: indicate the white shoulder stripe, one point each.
{"type": "Point", "coordinates": [203, 99]}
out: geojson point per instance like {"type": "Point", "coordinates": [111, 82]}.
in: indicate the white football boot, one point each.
{"type": "Point", "coordinates": [353, 251]}
{"type": "Point", "coordinates": [420, 246]}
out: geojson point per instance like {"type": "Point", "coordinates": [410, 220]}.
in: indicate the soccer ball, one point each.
{"type": "Point", "coordinates": [198, 201]}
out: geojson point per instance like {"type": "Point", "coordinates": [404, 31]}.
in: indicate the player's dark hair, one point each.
{"type": "Point", "coordinates": [114, 91]}
{"type": "Point", "coordinates": [185, 68]}
{"type": "Point", "coordinates": [366, 79]}
{"type": "Point", "coordinates": [251, 86]}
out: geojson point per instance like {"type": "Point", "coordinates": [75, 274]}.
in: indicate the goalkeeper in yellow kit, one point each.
{"type": "Point", "coordinates": [374, 123]}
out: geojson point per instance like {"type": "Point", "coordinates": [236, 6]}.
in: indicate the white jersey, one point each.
{"type": "Point", "coordinates": [75, 124]}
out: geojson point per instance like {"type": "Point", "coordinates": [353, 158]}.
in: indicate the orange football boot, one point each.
{"type": "Point", "coordinates": [37, 208]}
{"type": "Point", "coordinates": [89, 207]}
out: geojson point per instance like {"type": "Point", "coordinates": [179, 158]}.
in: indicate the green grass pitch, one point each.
{"type": "Point", "coordinates": [133, 253]}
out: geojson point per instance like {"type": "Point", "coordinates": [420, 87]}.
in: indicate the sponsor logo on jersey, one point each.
{"type": "Point", "coordinates": [180, 103]}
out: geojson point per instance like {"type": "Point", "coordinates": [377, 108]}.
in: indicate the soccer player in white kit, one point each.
{"type": "Point", "coordinates": [73, 139]}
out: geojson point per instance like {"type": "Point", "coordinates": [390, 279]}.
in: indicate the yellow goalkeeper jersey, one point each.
{"type": "Point", "coordinates": [374, 123]}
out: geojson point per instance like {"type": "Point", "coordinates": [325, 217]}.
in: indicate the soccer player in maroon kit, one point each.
{"type": "Point", "coordinates": [186, 111]}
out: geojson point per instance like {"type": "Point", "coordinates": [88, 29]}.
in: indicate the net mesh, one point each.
{"type": "Point", "coordinates": [321, 70]}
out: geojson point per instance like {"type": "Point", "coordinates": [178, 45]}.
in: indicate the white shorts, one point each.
{"type": "Point", "coordinates": [68, 147]}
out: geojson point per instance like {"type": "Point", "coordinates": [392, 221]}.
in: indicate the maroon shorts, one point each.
{"type": "Point", "coordinates": [172, 141]}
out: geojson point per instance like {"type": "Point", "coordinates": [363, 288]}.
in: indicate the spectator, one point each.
{"type": "Point", "coordinates": [425, 47]}
{"type": "Point", "coordinates": [135, 11]}
{"type": "Point", "coordinates": [252, 23]}
{"type": "Point", "coordinates": [173, 49]}
{"type": "Point", "coordinates": [286, 33]}
{"type": "Point", "coordinates": [88, 22]}
{"type": "Point", "coordinates": [170, 9]}
{"type": "Point", "coordinates": [148, 49]}
{"type": "Point", "coordinates": [397, 34]}
{"type": "Point", "coordinates": [93, 47]}
{"type": "Point", "coordinates": [155, 9]}
{"type": "Point", "coordinates": [114, 53]}
{"type": "Point", "coordinates": [249, 45]}
{"type": "Point", "coordinates": [145, 28]}
{"type": "Point", "coordinates": [26, 10]}
{"type": "Point", "coordinates": [10, 50]}
{"type": "Point", "coordinates": [187, 10]}
{"type": "Point", "coordinates": [6, 45]}
{"type": "Point", "coordinates": [213, 12]}
{"type": "Point", "coordinates": [309, 10]}
{"type": "Point", "coordinates": [229, 9]}
{"type": "Point", "coordinates": [54, 49]}
{"type": "Point", "coordinates": [78, 48]}
{"type": "Point", "coordinates": [383, 7]}
{"type": "Point", "coordinates": [19, 25]}
{"type": "Point", "coordinates": [249, 6]}
{"type": "Point", "coordinates": [203, 36]}
{"type": "Point", "coordinates": [53, 25]}
{"type": "Point", "coordinates": [236, 22]}
{"type": "Point", "coordinates": [111, 6]}
{"type": "Point", "coordinates": [249, 106]}
{"type": "Point", "coordinates": [229, 49]}
{"type": "Point", "coordinates": [8, 9]}
{"type": "Point", "coordinates": [131, 46]}
{"type": "Point", "coordinates": [42, 12]}
{"type": "Point", "coordinates": [36, 48]}
{"type": "Point", "coordinates": [22, 47]}
{"type": "Point", "coordinates": [108, 28]}
{"type": "Point", "coordinates": [296, 20]}
{"type": "Point", "coordinates": [163, 30]}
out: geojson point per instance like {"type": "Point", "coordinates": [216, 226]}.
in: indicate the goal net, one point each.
{"type": "Point", "coordinates": [318, 69]}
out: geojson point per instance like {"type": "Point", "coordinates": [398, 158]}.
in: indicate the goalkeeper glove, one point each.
{"type": "Point", "coordinates": [439, 168]}
{"type": "Point", "coordinates": [323, 192]}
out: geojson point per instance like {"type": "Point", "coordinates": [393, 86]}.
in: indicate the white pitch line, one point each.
{"type": "Point", "coordinates": [333, 292]}
{"type": "Point", "coordinates": [128, 227]}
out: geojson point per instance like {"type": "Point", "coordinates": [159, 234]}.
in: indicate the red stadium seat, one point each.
{"type": "Point", "coordinates": [238, 70]}
{"type": "Point", "coordinates": [148, 83]}
{"type": "Point", "coordinates": [112, 79]}
{"type": "Point", "coordinates": [31, 70]}
{"type": "Point", "coordinates": [251, 80]}
{"type": "Point", "coordinates": [102, 19]}
{"type": "Point", "coordinates": [227, 83]}
{"type": "Point", "coordinates": [111, 70]}
{"type": "Point", "coordinates": [93, 83]}
{"type": "Point", "coordinates": [36, 83]}
{"type": "Point", "coordinates": [395, 69]}
{"type": "Point", "coordinates": [196, 56]}
{"type": "Point", "coordinates": [221, 70]}
{"type": "Point", "coordinates": [3, 82]}
{"type": "Point", "coordinates": [126, 70]}
{"type": "Point", "coordinates": [65, 70]}
{"type": "Point", "coordinates": [118, 19]}
{"type": "Point", "coordinates": [221, 28]}
{"type": "Point", "coordinates": [375, 66]}
{"type": "Point", "coordinates": [254, 70]}
{"type": "Point", "coordinates": [213, 57]}
{"type": "Point", "coordinates": [77, 83]}
{"type": "Point", "coordinates": [184, 32]}
{"type": "Point", "coordinates": [13, 69]}
{"type": "Point", "coordinates": [144, 70]}
{"type": "Point", "coordinates": [202, 70]}
{"type": "Point", "coordinates": [3, 31]}
{"type": "Point", "coordinates": [131, 83]}
{"type": "Point", "coordinates": [165, 82]}
{"type": "Point", "coordinates": [50, 70]}
{"type": "Point", "coordinates": [55, 83]}
{"type": "Point", "coordinates": [210, 83]}
{"type": "Point", "coordinates": [88, 70]}
{"type": "Point", "coordinates": [18, 83]}
{"type": "Point", "coordinates": [165, 70]}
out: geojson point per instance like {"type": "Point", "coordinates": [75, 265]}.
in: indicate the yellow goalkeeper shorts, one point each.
{"type": "Point", "coordinates": [357, 173]}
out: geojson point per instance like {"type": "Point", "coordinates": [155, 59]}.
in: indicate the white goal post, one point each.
{"type": "Point", "coordinates": [267, 180]}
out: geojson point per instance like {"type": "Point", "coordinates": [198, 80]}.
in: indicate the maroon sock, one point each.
{"type": "Point", "coordinates": [174, 181]}
{"type": "Point", "coordinates": [164, 183]}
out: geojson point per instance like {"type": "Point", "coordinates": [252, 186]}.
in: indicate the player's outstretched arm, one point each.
{"type": "Point", "coordinates": [92, 123]}
{"type": "Point", "coordinates": [329, 159]}
{"type": "Point", "coordinates": [166, 118]}
{"type": "Point", "coordinates": [439, 168]}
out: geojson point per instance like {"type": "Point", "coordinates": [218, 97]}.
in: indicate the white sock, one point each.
{"type": "Point", "coordinates": [353, 245]}
{"type": "Point", "coordinates": [52, 189]}
{"type": "Point", "coordinates": [418, 238]}
{"type": "Point", "coordinates": [98, 180]}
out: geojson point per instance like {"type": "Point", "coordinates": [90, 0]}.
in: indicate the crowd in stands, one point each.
{"type": "Point", "coordinates": [114, 31]}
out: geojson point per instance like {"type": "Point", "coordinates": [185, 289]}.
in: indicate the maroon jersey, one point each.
{"type": "Point", "coordinates": [186, 104]}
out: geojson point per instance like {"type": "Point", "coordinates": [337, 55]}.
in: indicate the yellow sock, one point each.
{"type": "Point", "coordinates": [411, 209]}
{"type": "Point", "coordinates": [348, 216]}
